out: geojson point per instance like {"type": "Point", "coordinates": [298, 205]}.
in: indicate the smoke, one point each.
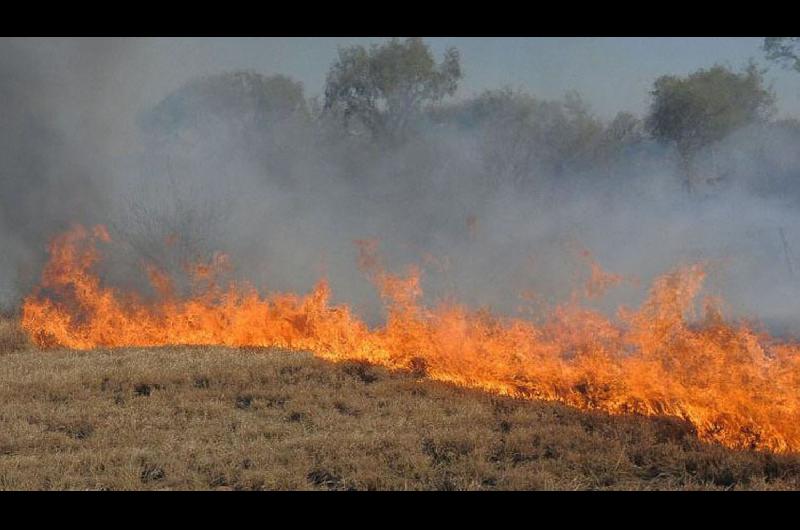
{"type": "Point", "coordinates": [42, 169]}
{"type": "Point", "coordinates": [285, 195]}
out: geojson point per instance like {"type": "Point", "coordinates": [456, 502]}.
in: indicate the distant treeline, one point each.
{"type": "Point", "coordinates": [380, 100]}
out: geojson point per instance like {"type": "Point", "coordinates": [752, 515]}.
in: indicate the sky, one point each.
{"type": "Point", "coordinates": [612, 74]}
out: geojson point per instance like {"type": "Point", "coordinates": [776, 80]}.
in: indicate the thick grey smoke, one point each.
{"type": "Point", "coordinates": [285, 195]}
{"type": "Point", "coordinates": [54, 148]}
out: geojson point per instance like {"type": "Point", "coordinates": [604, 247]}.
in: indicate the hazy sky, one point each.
{"type": "Point", "coordinates": [611, 73]}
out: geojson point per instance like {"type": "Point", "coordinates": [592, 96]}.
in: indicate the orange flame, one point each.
{"type": "Point", "coordinates": [736, 386]}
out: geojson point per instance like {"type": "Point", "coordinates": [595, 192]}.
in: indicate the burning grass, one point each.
{"type": "Point", "coordinates": [735, 385]}
{"type": "Point", "coordinates": [220, 418]}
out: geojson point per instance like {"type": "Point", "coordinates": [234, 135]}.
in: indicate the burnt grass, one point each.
{"type": "Point", "coordinates": [253, 419]}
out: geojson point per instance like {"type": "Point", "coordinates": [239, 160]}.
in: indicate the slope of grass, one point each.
{"type": "Point", "coordinates": [215, 418]}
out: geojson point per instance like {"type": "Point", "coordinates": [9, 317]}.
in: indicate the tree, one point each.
{"type": "Point", "coordinates": [251, 99]}
{"type": "Point", "coordinates": [226, 118]}
{"type": "Point", "coordinates": [624, 129]}
{"type": "Point", "coordinates": [783, 50]}
{"type": "Point", "coordinates": [522, 139]}
{"type": "Point", "coordinates": [701, 109]}
{"type": "Point", "coordinates": [382, 88]}
{"type": "Point", "coordinates": [582, 134]}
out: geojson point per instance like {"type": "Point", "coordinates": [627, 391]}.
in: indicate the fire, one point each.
{"type": "Point", "coordinates": [737, 386]}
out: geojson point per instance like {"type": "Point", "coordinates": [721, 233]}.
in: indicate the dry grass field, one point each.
{"type": "Point", "coordinates": [231, 419]}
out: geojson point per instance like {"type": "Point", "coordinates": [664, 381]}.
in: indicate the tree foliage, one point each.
{"type": "Point", "coordinates": [382, 88]}
{"type": "Point", "coordinates": [231, 116]}
{"type": "Point", "coordinates": [252, 99]}
{"type": "Point", "coordinates": [783, 50]}
{"type": "Point", "coordinates": [522, 137]}
{"type": "Point", "coordinates": [388, 91]}
{"type": "Point", "coordinates": [702, 108]}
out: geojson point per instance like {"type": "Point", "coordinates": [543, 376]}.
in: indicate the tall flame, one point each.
{"type": "Point", "coordinates": [737, 386]}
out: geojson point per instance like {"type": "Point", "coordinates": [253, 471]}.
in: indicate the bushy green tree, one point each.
{"type": "Point", "coordinates": [698, 110]}
{"type": "Point", "coordinates": [384, 87]}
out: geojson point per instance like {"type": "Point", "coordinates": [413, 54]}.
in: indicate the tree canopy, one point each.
{"type": "Point", "coordinates": [522, 137]}
{"type": "Point", "coordinates": [243, 96]}
{"type": "Point", "coordinates": [382, 88]}
{"type": "Point", "coordinates": [783, 50]}
{"type": "Point", "coordinates": [702, 108]}
{"type": "Point", "coordinates": [397, 89]}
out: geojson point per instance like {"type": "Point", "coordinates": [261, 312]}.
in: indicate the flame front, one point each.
{"type": "Point", "coordinates": [736, 386]}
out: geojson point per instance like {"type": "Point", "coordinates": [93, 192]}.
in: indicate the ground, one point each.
{"type": "Point", "coordinates": [217, 418]}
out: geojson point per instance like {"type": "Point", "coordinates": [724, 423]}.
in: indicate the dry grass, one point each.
{"type": "Point", "coordinates": [214, 418]}
{"type": "Point", "coordinates": [12, 338]}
